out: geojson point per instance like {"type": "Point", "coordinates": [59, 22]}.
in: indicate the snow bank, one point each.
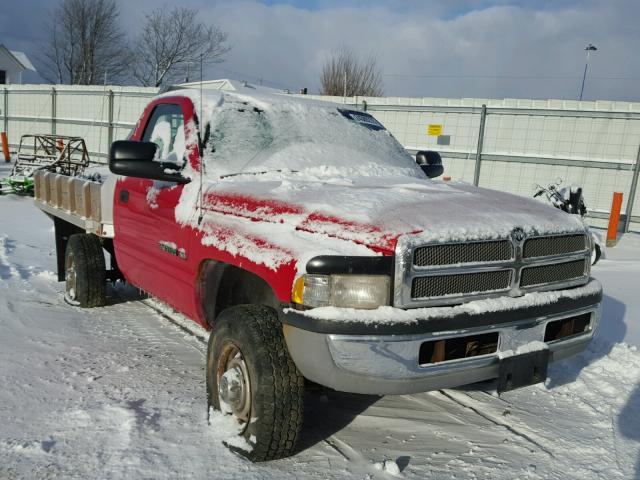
{"type": "Point", "coordinates": [388, 466]}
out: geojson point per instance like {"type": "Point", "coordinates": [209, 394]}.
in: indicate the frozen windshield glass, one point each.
{"type": "Point", "coordinates": [294, 136]}
{"type": "Point", "coordinates": [166, 129]}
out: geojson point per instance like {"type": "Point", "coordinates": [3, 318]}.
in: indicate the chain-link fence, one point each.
{"type": "Point", "coordinates": [511, 145]}
{"type": "Point", "coordinates": [515, 145]}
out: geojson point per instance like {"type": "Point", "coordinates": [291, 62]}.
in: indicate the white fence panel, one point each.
{"type": "Point", "coordinates": [525, 142]}
{"type": "Point", "coordinates": [97, 114]}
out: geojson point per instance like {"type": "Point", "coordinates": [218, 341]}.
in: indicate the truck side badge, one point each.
{"type": "Point", "coordinates": [173, 249]}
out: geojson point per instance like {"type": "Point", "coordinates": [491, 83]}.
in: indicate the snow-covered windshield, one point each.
{"type": "Point", "coordinates": [294, 137]}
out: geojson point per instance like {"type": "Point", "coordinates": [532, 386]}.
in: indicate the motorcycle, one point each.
{"type": "Point", "coordinates": [570, 200]}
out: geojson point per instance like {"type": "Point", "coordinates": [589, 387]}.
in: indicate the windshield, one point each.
{"type": "Point", "coordinates": [295, 137]}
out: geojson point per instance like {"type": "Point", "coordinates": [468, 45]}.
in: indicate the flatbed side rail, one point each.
{"type": "Point", "coordinates": [73, 199]}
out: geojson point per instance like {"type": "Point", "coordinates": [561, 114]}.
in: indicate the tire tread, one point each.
{"type": "Point", "coordinates": [91, 284]}
{"type": "Point", "coordinates": [281, 386]}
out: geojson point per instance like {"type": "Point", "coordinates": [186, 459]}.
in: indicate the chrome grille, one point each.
{"type": "Point", "coordinates": [455, 253]}
{"type": "Point", "coordinates": [559, 272]}
{"type": "Point", "coordinates": [432, 274]}
{"type": "Point", "coordinates": [460, 284]}
{"type": "Point", "coordinates": [559, 245]}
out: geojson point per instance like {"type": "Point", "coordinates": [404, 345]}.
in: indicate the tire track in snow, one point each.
{"type": "Point", "coordinates": [178, 321]}
{"type": "Point", "coordinates": [11, 270]}
{"type": "Point", "coordinates": [470, 403]}
{"type": "Point", "coordinates": [160, 335]}
{"type": "Point", "coordinates": [7, 269]}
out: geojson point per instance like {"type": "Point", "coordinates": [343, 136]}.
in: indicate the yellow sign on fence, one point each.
{"type": "Point", "coordinates": [434, 130]}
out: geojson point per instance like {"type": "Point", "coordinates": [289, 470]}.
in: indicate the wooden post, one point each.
{"type": "Point", "coordinates": [614, 219]}
{"type": "Point", "coordinates": [5, 147]}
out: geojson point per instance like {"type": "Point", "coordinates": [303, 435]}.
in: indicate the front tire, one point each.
{"type": "Point", "coordinates": [85, 271]}
{"type": "Point", "coordinates": [251, 375]}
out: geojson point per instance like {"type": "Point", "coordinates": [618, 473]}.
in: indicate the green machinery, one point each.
{"type": "Point", "coordinates": [54, 153]}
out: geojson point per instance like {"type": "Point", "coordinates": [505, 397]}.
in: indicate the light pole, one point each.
{"type": "Point", "coordinates": [589, 48]}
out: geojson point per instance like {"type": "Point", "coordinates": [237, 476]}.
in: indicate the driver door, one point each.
{"type": "Point", "coordinates": [151, 246]}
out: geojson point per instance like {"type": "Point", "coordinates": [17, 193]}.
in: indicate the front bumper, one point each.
{"type": "Point", "coordinates": [382, 358]}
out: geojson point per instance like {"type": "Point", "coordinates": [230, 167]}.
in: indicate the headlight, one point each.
{"type": "Point", "coordinates": [348, 291]}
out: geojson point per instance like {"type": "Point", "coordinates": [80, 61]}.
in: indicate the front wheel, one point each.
{"type": "Point", "coordinates": [251, 376]}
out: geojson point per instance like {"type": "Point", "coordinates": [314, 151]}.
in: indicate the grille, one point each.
{"type": "Point", "coordinates": [552, 273]}
{"type": "Point", "coordinates": [545, 246]}
{"type": "Point", "coordinates": [465, 283]}
{"type": "Point", "coordinates": [454, 253]}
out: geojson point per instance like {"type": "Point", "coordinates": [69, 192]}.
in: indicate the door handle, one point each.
{"type": "Point", "coordinates": [124, 196]}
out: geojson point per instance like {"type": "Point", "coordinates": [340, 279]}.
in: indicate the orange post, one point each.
{"type": "Point", "coordinates": [614, 219]}
{"type": "Point", "coordinates": [5, 147]}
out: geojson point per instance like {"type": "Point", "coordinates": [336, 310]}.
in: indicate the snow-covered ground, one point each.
{"type": "Point", "coordinates": [118, 392]}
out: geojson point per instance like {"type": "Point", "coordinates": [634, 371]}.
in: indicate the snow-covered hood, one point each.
{"type": "Point", "coordinates": [375, 211]}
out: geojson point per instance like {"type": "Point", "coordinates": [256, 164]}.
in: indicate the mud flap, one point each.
{"type": "Point", "coordinates": [522, 370]}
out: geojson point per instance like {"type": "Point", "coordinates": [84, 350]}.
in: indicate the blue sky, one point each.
{"type": "Point", "coordinates": [454, 48]}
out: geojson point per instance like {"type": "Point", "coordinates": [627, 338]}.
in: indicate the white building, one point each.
{"type": "Point", "coordinates": [15, 67]}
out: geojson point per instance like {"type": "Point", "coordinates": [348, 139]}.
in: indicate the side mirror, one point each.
{"type": "Point", "coordinates": [136, 159]}
{"type": "Point", "coordinates": [430, 162]}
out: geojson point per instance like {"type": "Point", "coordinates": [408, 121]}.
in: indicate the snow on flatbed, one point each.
{"type": "Point", "coordinates": [118, 392]}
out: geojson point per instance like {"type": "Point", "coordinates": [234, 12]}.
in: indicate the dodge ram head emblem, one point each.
{"type": "Point", "coordinates": [518, 234]}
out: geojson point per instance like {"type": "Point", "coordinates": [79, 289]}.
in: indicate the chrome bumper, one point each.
{"type": "Point", "coordinates": [388, 364]}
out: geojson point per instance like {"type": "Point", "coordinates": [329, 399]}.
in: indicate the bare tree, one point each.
{"type": "Point", "coordinates": [346, 74]}
{"type": "Point", "coordinates": [85, 44]}
{"type": "Point", "coordinates": [172, 43]}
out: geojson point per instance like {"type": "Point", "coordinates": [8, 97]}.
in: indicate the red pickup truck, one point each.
{"type": "Point", "coordinates": [315, 248]}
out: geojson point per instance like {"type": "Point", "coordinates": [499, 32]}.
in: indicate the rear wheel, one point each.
{"type": "Point", "coordinates": [85, 271]}
{"type": "Point", "coordinates": [251, 376]}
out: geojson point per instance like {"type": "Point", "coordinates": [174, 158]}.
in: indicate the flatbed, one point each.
{"type": "Point", "coordinates": [85, 203]}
